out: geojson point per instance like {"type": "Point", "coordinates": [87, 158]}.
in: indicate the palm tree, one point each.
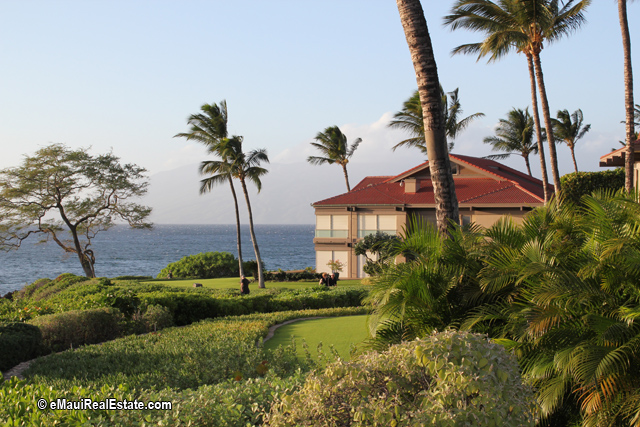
{"type": "Point", "coordinates": [246, 167]}
{"type": "Point", "coordinates": [416, 32]}
{"type": "Point", "coordinates": [410, 119]}
{"type": "Point", "coordinates": [514, 135]}
{"type": "Point", "coordinates": [210, 129]}
{"type": "Point", "coordinates": [628, 94]}
{"type": "Point", "coordinates": [332, 143]}
{"type": "Point", "coordinates": [524, 27]}
{"type": "Point", "coordinates": [568, 128]}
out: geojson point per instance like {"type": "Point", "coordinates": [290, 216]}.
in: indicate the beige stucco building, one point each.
{"type": "Point", "coordinates": [617, 158]}
{"type": "Point", "coordinates": [486, 190]}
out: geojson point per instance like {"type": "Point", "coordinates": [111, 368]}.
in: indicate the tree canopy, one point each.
{"type": "Point", "coordinates": [69, 196]}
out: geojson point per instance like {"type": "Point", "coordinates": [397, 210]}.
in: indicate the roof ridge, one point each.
{"type": "Point", "coordinates": [497, 190]}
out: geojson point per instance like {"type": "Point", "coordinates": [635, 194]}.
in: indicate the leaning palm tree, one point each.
{"type": "Point", "coordinates": [416, 32]}
{"type": "Point", "coordinates": [246, 167]}
{"type": "Point", "coordinates": [332, 143]}
{"type": "Point", "coordinates": [210, 128]}
{"type": "Point", "coordinates": [410, 119]}
{"type": "Point", "coordinates": [568, 128]}
{"type": "Point", "coordinates": [514, 135]}
{"type": "Point", "coordinates": [522, 26]}
{"type": "Point", "coordinates": [628, 94]}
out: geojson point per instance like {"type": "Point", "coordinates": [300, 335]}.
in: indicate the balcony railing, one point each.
{"type": "Point", "coordinates": [364, 233]}
{"type": "Point", "coordinates": [343, 234]}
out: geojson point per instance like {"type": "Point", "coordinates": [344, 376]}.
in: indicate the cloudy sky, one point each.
{"type": "Point", "coordinates": [126, 74]}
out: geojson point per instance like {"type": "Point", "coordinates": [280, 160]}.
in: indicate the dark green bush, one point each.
{"type": "Point", "coordinates": [291, 276]}
{"type": "Point", "coordinates": [205, 265]}
{"type": "Point", "coordinates": [125, 300]}
{"type": "Point", "coordinates": [61, 331]}
{"type": "Point", "coordinates": [577, 184]}
{"type": "Point", "coordinates": [19, 342]}
{"type": "Point", "coordinates": [189, 307]}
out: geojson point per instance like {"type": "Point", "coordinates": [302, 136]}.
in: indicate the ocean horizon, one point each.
{"type": "Point", "coordinates": [122, 251]}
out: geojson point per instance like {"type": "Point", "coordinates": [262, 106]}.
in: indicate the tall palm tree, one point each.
{"type": "Point", "coordinates": [246, 167]}
{"type": "Point", "coordinates": [410, 119]}
{"type": "Point", "coordinates": [332, 143]}
{"type": "Point", "coordinates": [416, 32]}
{"type": "Point", "coordinates": [514, 135]}
{"type": "Point", "coordinates": [210, 129]}
{"type": "Point", "coordinates": [628, 94]}
{"type": "Point", "coordinates": [568, 128]}
{"type": "Point", "coordinates": [522, 26]}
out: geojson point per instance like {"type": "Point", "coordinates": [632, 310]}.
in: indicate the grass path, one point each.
{"type": "Point", "coordinates": [341, 332]}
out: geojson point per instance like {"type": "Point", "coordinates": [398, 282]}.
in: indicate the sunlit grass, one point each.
{"type": "Point", "coordinates": [340, 332]}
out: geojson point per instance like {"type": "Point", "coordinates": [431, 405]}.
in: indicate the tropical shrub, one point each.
{"type": "Point", "coordinates": [578, 184]}
{"type": "Point", "coordinates": [19, 342]}
{"type": "Point", "coordinates": [447, 379]}
{"type": "Point", "coordinates": [205, 265]}
{"type": "Point", "coordinates": [72, 329]}
{"type": "Point", "coordinates": [381, 246]}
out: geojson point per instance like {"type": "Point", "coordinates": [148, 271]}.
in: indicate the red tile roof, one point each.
{"type": "Point", "coordinates": [496, 185]}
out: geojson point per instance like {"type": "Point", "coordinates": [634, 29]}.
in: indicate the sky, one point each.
{"type": "Point", "coordinates": [126, 74]}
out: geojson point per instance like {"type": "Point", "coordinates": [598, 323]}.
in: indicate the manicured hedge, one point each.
{"type": "Point", "coordinates": [18, 342]}
{"type": "Point", "coordinates": [578, 184]}
{"type": "Point", "coordinates": [291, 276]}
{"type": "Point", "coordinates": [189, 307]}
{"type": "Point", "coordinates": [61, 331]}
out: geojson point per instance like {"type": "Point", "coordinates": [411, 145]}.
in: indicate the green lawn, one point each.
{"type": "Point", "coordinates": [234, 282]}
{"type": "Point", "coordinates": [341, 332]}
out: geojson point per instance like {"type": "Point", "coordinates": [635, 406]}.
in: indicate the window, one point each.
{"type": "Point", "coordinates": [465, 220]}
{"type": "Point", "coordinates": [332, 226]}
{"type": "Point", "coordinates": [323, 257]}
{"type": "Point", "coordinates": [371, 224]}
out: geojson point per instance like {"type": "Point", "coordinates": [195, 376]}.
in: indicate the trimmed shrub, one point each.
{"type": "Point", "coordinates": [448, 379]}
{"type": "Point", "coordinates": [44, 288]}
{"type": "Point", "coordinates": [291, 276]}
{"type": "Point", "coordinates": [19, 342]}
{"type": "Point", "coordinates": [578, 184]}
{"type": "Point", "coordinates": [157, 317]}
{"type": "Point", "coordinates": [205, 265]}
{"type": "Point", "coordinates": [189, 307]}
{"type": "Point", "coordinates": [61, 331]}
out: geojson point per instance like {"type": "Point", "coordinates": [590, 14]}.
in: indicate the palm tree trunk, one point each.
{"type": "Point", "coordinates": [346, 176]}
{"type": "Point", "coordinates": [238, 238]}
{"type": "Point", "coordinates": [253, 236]}
{"type": "Point", "coordinates": [553, 156]}
{"type": "Point", "coordinates": [628, 95]}
{"type": "Point", "coordinates": [424, 63]}
{"type": "Point", "coordinates": [573, 157]}
{"type": "Point", "coordinates": [536, 121]}
{"type": "Point", "coordinates": [526, 161]}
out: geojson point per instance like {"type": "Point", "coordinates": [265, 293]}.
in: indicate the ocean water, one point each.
{"type": "Point", "coordinates": [122, 251]}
